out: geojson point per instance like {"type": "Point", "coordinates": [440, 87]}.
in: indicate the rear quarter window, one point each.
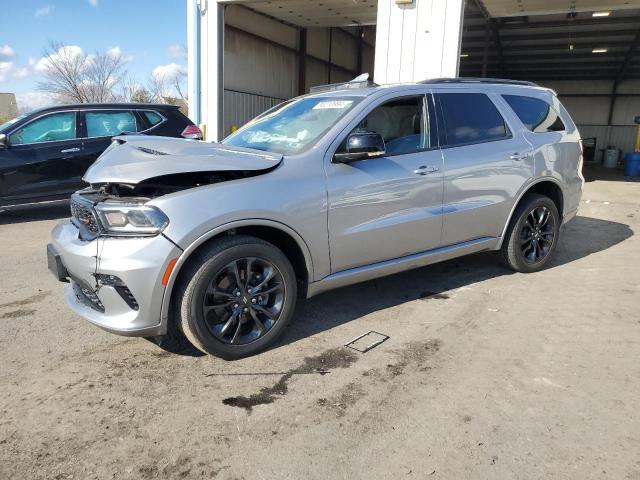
{"type": "Point", "coordinates": [536, 114]}
{"type": "Point", "coordinates": [154, 118]}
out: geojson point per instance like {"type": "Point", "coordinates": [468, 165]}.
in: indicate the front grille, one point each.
{"type": "Point", "coordinates": [83, 216]}
{"type": "Point", "coordinates": [88, 297]}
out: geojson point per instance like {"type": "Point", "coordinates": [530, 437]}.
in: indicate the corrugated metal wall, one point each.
{"type": "Point", "coordinates": [591, 113]}
{"type": "Point", "coordinates": [260, 74]}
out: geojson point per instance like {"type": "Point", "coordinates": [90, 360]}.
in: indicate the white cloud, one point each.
{"type": "Point", "coordinates": [94, 3]}
{"type": "Point", "coordinates": [68, 51]}
{"type": "Point", "coordinates": [6, 51]}
{"type": "Point", "coordinates": [169, 71]}
{"type": "Point", "coordinates": [117, 52]}
{"type": "Point", "coordinates": [5, 68]}
{"type": "Point", "coordinates": [21, 73]}
{"type": "Point", "coordinates": [29, 101]}
{"type": "Point", "coordinates": [176, 52]}
{"type": "Point", "coordinates": [44, 11]}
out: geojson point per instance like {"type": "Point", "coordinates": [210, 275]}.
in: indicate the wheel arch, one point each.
{"type": "Point", "coordinates": [547, 186]}
{"type": "Point", "coordinates": [283, 237]}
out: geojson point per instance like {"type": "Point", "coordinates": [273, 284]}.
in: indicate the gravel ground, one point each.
{"type": "Point", "coordinates": [487, 374]}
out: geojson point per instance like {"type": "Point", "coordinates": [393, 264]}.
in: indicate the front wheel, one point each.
{"type": "Point", "coordinates": [236, 297]}
{"type": "Point", "coordinates": [533, 234]}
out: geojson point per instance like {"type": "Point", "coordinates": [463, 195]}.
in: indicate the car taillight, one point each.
{"type": "Point", "coordinates": [192, 132]}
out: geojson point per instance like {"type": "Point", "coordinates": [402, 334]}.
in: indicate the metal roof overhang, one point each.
{"type": "Point", "coordinates": [308, 13]}
{"type": "Point", "coordinates": [509, 8]}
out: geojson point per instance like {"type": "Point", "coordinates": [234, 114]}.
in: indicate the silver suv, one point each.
{"type": "Point", "coordinates": [213, 243]}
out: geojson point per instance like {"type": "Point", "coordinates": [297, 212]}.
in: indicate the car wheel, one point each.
{"type": "Point", "coordinates": [533, 234]}
{"type": "Point", "coordinates": [236, 297]}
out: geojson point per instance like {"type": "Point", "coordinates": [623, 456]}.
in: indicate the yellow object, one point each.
{"type": "Point", "coordinates": [638, 140]}
{"type": "Point", "coordinates": [203, 129]}
{"type": "Point", "coordinates": [234, 128]}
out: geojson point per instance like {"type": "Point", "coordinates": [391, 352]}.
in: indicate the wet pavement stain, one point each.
{"type": "Point", "coordinates": [434, 296]}
{"type": "Point", "coordinates": [319, 364]}
{"type": "Point", "coordinates": [416, 353]}
{"type": "Point", "coordinates": [25, 301]}
{"type": "Point", "coordinates": [18, 313]}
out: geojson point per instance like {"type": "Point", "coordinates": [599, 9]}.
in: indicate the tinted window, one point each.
{"type": "Point", "coordinates": [152, 117]}
{"type": "Point", "coordinates": [108, 124]}
{"type": "Point", "coordinates": [51, 128]}
{"type": "Point", "coordinates": [401, 124]}
{"type": "Point", "coordinates": [537, 115]}
{"type": "Point", "coordinates": [470, 118]}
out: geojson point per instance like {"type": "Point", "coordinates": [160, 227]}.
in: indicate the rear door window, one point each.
{"type": "Point", "coordinates": [470, 118]}
{"type": "Point", "coordinates": [109, 123]}
{"type": "Point", "coordinates": [536, 114]}
{"type": "Point", "coordinates": [55, 127]}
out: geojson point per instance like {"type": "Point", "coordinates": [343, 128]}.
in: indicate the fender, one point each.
{"type": "Point", "coordinates": [248, 222]}
{"type": "Point", "coordinates": [523, 191]}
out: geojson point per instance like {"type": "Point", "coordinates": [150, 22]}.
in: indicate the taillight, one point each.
{"type": "Point", "coordinates": [192, 132]}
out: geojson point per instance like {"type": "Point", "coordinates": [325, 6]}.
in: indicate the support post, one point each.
{"type": "Point", "coordinates": [212, 68]}
{"type": "Point", "coordinates": [360, 51]}
{"type": "Point", "coordinates": [193, 60]}
{"type": "Point", "coordinates": [418, 40]}
{"type": "Point", "coordinates": [302, 61]}
{"type": "Point", "coordinates": [485, 52]}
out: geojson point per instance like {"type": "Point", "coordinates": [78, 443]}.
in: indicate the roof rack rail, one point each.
{"type": "Point", "coordinates": [361, 81]}
{"type": "Point", "coordinates": [480, 80]}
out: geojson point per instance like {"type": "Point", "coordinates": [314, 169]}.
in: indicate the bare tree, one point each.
{"type": "Point", "coordinates": [72, 75]}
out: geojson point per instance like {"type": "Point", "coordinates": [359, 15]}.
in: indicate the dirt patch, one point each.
{"type": "Point", "coordinates": [434, 296]}
{"type": "Point", "coordinates": [416, 353]}
{"type": "Point", "coordinates": [18, 313]}
{"type": "Point", "coordinates": [320, 364]}
{"type": "Point", "coordinates": [26, 301]}
{"type": "Point", "coordinates": [347, 397]}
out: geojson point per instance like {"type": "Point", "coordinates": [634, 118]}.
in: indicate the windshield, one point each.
{"type": "Point", "coordinates": [292, 126]}
{"type": "Point", "coordinates": [5, 126]}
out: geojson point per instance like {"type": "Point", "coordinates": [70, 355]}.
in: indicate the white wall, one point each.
{"type": "Point", "coordinates": [418, 41]}
{"type": "Point", "coordinates": [591, 113]}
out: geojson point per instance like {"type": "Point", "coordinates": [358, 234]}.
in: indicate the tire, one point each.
{"type": "Point", "coordinates": [217, 322]}
{"type": "Point", "coordinates": [519, 250]}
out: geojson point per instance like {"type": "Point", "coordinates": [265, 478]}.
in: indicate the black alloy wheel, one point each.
{"type": "Point", "coordinates": [244, 300]}
{"type": "Point", "coordinates": [537, 234]}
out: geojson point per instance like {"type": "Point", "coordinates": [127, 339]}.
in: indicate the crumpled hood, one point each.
{"type": "Point", "coordinates": [138, 157]}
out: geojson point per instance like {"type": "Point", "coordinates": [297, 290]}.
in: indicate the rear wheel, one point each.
{"type": "Point", "coordinates": [237, 297]}
{"type": "Point", "coordinates": [532, 236]}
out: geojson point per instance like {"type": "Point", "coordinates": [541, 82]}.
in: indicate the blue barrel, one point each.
{"type": "Point", "coordinates": [632, 164]}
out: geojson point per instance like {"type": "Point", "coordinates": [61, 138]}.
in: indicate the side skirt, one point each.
{"type": "Point", "coordinates": [397, 265]}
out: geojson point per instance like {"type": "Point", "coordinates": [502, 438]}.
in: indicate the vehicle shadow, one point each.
{"type": "Point", "coordinates": [34, 213]}
{"type": "Point", "coordinates": [581, 238]}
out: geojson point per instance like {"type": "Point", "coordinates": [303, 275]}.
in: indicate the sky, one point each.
{"type": "Point", "coordinates": [149, 34]}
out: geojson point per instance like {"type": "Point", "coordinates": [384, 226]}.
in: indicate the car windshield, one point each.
{"type": "Point", "coordinates": [5, 126]}
{"type": "Point", "coordinates": [292, 126]}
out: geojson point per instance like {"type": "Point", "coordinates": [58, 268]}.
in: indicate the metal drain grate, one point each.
{"type": "Point", "coordinates": [367, 341]}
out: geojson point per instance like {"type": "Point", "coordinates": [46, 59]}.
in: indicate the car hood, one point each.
{"type": "Point", "coordinates": [133, 159]}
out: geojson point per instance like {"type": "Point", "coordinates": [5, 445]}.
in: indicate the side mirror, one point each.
{"type": "Point", "coordinates": [636, 119]}
{"type": "Point", "coordinates": [3, 141]}
{"type": "Point", "coordinates": [361, 146]}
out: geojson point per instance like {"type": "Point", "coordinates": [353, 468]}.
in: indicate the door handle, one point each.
{"type": "Point", "coordinates": [70, 150]}
{"type": "Point", "coordinates": [519, 156]}
{"type": "Point", "coordinates": [424, 170]}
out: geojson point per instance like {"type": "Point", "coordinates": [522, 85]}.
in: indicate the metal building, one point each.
{"type": "Point", "coordinates": [248, 55]}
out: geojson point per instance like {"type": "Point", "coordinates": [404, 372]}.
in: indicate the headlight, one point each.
{"type": "Point", "coordinates": [123, 219]}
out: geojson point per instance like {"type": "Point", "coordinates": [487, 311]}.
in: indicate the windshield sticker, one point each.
{"type": "Point", "coordinates": [333, 105]}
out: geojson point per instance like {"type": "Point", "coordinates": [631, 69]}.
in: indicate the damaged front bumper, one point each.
{"type": "Point", "coordinates": [114, 283]}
